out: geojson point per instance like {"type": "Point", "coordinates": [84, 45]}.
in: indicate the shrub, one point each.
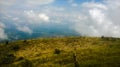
{"type": "Point", "coordinates": [25, 41]}
{"type": "Point", "coordinates": [26, 63]}
{"type": "Point", "coordinates": [105, 38]}
{"type": "Point", "coordinates": [15, 47]}
{"type": "Point", "coordinates": [6, 42]}
{"type": "Point", "coordinates": [57, 51]}
{"type": "Point", "coordinates": [102, 37]}
{"type": "Point", "coordinates": [20, 58]}
{"type": "Point", "coordinates": [8, 59]}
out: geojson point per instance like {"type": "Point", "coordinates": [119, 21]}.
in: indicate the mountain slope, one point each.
{"type": "Point", "coordinates": [61, 52]}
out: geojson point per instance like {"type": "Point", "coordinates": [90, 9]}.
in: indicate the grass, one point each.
{"type": "Point", "coordinates": [61, 52]}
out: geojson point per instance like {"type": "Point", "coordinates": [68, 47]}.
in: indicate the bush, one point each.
{"type": "Point", "coordinates": [8, 59]}
{"type": "Point", "coordinates": [26, 63]}
{"type": "Point", "coordinates": [102, 37]}
{"type": "Point", "coordinates": [6, 42]}
{"type": "Point", "coordinates": [20, 58]}
{"type": "Point", "coordinates": [108, 38]}
{"type": "Point", "coordinates": [15, 48]}
{"type": "Point", "coordinates": [24, 41]}
{"type": "Point", "coordinates": [57, 51]}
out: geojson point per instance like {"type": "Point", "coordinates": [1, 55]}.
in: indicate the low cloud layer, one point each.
{"type": "Point", "coordinates": [25, 3]}
{"type": "Point", "coordinates": [90, 18]}
{"type": "Point", "coordinates": [25, 29]}
{"type": "Point", "coordinates": [3, 35]}
{"type": "Point", "coordinates": [103, 19]}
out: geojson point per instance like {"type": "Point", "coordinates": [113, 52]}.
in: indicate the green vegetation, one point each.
{"type": "Point", "coordinates": [61, 52]}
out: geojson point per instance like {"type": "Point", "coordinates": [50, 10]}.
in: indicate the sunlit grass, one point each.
{"type": "Point", "coordinates": [59, 52]}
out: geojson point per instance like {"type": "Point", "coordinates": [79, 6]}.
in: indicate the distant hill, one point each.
{"type": "Point", "coordinates": [61, 52]}
{"type": "Point", "coordinates": [42, 30]}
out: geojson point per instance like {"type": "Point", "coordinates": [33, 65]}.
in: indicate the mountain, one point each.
{"type": "Point", "coordinates": [43, 30]}
{"type": "Point", "coordinates": [61, 52]}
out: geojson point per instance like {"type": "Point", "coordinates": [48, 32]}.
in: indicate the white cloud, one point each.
{"type": "Point", "coordinates": [70, 1]}
{"type": "Point", "coordinates": [94, 5]}
{"type": "Point", "coordinates": [2, 25]}
{"type": "Point", "coordinates": [33, 17]}
{"type": "Point", "coordinates": [24, 29]}
{"type": "Point", "coordinates": [3, 35]}
{"type": "Point", "coordinates": [25, 3]}
{"type": "Point", "coordinates": [97, 15]}
{"type": "Point", "coordinates": [7, 2]}
{"type": "Point", "coordinates": [102, 19]}
{"type": "Point", "coordinates": [44, 17]}
{"type": "Point", "coordinates": [88, 18]}
{"type": "Point", "coordinates": [74, 4]}
{"type": "Point", "coordinates": [39, 2]}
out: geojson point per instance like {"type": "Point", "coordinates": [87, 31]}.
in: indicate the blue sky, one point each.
{"type": "Point", "coordinates": [86, 17]}
{"type": "Point", "coordinates": [66, 3]}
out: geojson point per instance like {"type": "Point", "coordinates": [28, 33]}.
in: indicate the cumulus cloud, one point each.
{"type": "Point", "coordinates": [36, 17]}
{"type": "Point", "coordinates": [100, 21]}
{"type": "Point", "coordinates": [7, 2]}
{"type": "Point", "coordinates": [87, 18]}
{"type": "Point", "coordinates": [74, 4]}
{"type": "Point", "coordinates": [97, 15]}
{"type": "Point", "coordinates": [39, 2]}
{"type": "Point", "coordinates": [25, 3]}
{"type": "Point", "coordinates": [3, 35]}
{"type": "Point", "coordinates": [24, 29]}
{"type": "Point", "coordinates": [2, 25]}
{"type": "Point", "coordinates": [94, 5]}
{"type": "Point", "coordinates": [93, 19]}
{"type": "Point", "coordinates": [70, 1]}
{"type": "Point", "coordinates": [44, 17]}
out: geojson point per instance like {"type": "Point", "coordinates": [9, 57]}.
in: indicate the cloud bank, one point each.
{"type": "Point", "coordinates": [86, 18]}
{"type": "Point", "coordinates": [25, 29]}
{"type": "Point", "coordinates": [103, 19]}
{"type": "Point", "coordinates": [3, 35]}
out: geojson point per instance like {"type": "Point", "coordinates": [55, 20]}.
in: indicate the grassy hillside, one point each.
{"type": "Point", "coordinates": [61, 52]}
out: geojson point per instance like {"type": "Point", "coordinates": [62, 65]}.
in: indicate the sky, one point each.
{"type": "Point", "coordinates": [86, 17]}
